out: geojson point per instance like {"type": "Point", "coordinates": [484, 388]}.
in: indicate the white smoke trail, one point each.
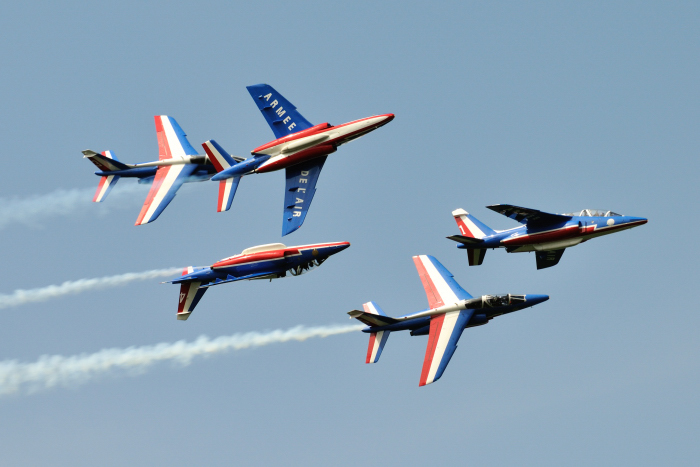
{"type": "Point", "coordinates": [55, 370]}
{"type": "Point", "coordinates": [34, 209]}
{"type": "Point", "coordinates": [21, 297]}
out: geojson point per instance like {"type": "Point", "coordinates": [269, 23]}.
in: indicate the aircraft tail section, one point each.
{"type": "Point", "coordinates": [106, 162]}
{"type": "Point", "coordinates": [473, 232]}
{"type": "Point", "coordinates": [190, 295]}
{"type": "Point", "coordinates": [376, 345]}
{"type": "Point", "coordinates": [374, 316]}
{"type": "Point", "coordinates": [104, 187]}
{"type": "Point", "coordinates": [222, 160]}
{"type": "Point", "coordinates": [280, 114]}
{"type": "Point", "coordinates": [470, 226]}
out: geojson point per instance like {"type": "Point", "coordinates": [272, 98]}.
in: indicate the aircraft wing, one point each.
{"type": "Point", "coordinates": [300, 187]}
{"type": "Point", "coordinates": [528, 216]}
{"type": "Point", "coordinates": [440, 286]}
{"type": "Point", "coordinates": [172, 141]}
{"type": "Point", "coordinates": [445, 331]}
{"type": "Point", "coordinates": [279, 113]}
{"type": "Point", "coordinates": [548, 258]}
{"type": "Point", "coordinates": [165, 184]}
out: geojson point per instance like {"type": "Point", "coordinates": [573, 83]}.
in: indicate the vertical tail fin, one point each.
{"type": "Point", "coordinates": [471, 227]}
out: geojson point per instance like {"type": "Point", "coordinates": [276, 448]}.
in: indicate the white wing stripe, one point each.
{"type": "Point", "coordinates": [170, 177]}
{"type": "Point", "coordinates": [176, 149]}
{"type": "Point", "coordinates": [448, 326]}
{"type": "Point", "coordinates": [444, 290]}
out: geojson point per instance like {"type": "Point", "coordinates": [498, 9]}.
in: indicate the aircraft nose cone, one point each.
{"type": "Point", "coordinates": [340, 247]}
{"type": "Point", "coordinates": [534, 299]}
{"type": "Point", "coordinates": [638, 220]}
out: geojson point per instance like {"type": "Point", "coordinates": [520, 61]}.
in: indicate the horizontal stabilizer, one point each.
{"type": "Point", "coordinates": [465, 240]}
{"type": "Point", "coordinates": [528, 216]}
{"type": "Point", "coordinates": [371, 319]}
{"type": "Point", "coordinates": [106, 162]}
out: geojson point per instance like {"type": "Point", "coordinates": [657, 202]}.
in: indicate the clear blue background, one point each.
{"type": "Point", "coordinates": [548, 105]}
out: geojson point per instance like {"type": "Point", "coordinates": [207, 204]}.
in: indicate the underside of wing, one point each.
{"type": "Point", "coordinates": [167, 181]}
{"type": "Point", "coordinates": [528, 216]}
{"type": "Point", "coordinates": [172, 141]}
{"type": "Point", "coordinates": [439, 284]}
{"type": "Point", "coordinates": [280, 114]}
{"type": "Point", "coordinates": [445, 331]}
{"type": "Point", "coordinates": [300, 187]}
{"type": "Point", "coordinates": [549, 258]}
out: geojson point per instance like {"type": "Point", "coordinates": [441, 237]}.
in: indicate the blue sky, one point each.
{"type": "Point", "coordinates": [553, 106]}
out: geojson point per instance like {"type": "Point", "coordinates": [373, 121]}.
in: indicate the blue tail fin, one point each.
{"type": "Point", "coordinates": [280, 114]}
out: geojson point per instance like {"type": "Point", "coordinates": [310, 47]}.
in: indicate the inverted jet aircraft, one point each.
{"type": "Point", "coordinates": [177, 163]}
{"type": "Point", "coordinates": [451, 310]}
{"type": "Point", "coordinates": [300, 148]}
{"type": "Point", "coordinates": [271, 261]}
{"type": "Point", "coordinates": [544, 233]}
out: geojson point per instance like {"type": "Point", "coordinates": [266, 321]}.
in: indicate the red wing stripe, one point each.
{"type": "Point", "coordinates": [434, 299]}
{"type": "Point", "coordinates": [163, 146]}
{"type": "Point", "coordinates": [99, 188]}
{"type": "Point", "coordinates": [435, 328]}
{"type": "Point", "coordinates": [161, 173]}
{"type": "Point", "coordinates": [222, 193]}
{"type": "Point", "coordinates": [372, 339]}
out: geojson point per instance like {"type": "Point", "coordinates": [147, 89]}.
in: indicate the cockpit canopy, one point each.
{"type": "Point", "coordinates": [592, 213]}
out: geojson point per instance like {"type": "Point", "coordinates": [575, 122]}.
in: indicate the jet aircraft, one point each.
{"type": "Point", "coordinates": [300, 148]}
{"type": "Point", "coordinates": [178, 162]}
{"type": "Point", "coordinates": [451, 310]}
{"type": "Point", "coordinates": [271, 261]}
{"type": "Point", "coordinates": [544, 233]}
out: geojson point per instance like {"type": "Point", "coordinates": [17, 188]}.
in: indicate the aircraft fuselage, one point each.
{"type": "Point", "coordinates": [319, 140]}
{"type": "Point", "coordinates": [552, 237]}
{"type": "Point", "coordinates": [275, 261]}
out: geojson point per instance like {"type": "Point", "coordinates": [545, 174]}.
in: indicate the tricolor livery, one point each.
{"type": "Point", "coordinates": [177, 163]}
{"type": "Point", "coordinates": [451, 310]}
{"type": "Point", "coordinates": [544, 233]}
{"type": "Point", "coordinates": [271, 261]}
{"type": "Point", "coordinates": [301, 149]}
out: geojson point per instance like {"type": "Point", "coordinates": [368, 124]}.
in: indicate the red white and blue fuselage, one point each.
{"type": "Point", "coordinates": [272, 261]}
{"type": "Point", "coordinates": [544, 233]}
